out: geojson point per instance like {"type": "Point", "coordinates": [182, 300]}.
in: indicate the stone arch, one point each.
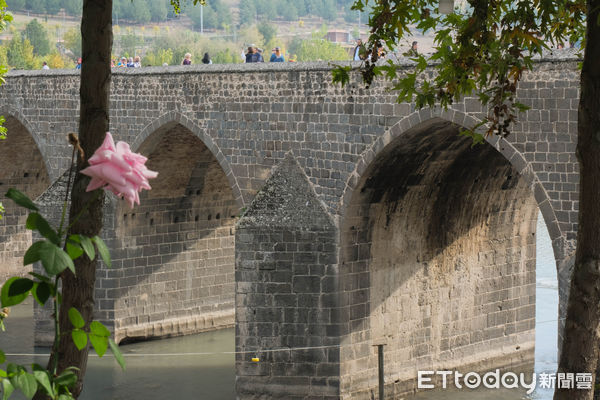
{"type": "Point", "coordinates": [24, 168]}
{"type": "Point", "coordinates": [9, 111]}
{"type": "Point", "coordinates": [173, 268]}
{"type": "Point", "coordinates": [437, 255]}
{"type": "Point", "coordinates": [501, 145]}
{"type": "Point", "coordinates": [174, 117]}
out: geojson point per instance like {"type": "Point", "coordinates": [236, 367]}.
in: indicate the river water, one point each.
{"type": "Point", "coordinates": [172, 369]}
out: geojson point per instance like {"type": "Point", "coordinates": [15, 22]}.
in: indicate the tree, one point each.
{"type": "Point", "coordinates": [141, 14]}
{"type": "Point", "coordinates": [52, 6]}
{"type": "Point", "coordinates": [38, 37]}
{"type": "Point", "coordinates": [72, 40]}
{"type": "Point", "coordinates": [265, 10]}
{"type": "Point", "coordinates": [222, 11]}
{"type": "Point", "coordinates": [17, 5]}
{"type": "Point", "coordinates": [20, 53]}
{"type": "Point", "coordinates": [78, 290]}
{"type": "Point", "coordinates": [57, 61]}
{"type": "Point", "coordinates": [36, 6]}
{"type": "Point", "coordinates": [158, 10]}
{"type": "Point", "coordinates": [159, 57]}
{"type": "Point", "coordinates": [267, 31]}
{"type": "Point", "coordinates": [247, 12]}
{"type": "Point", "coordinates": [129, 42]}
{"type": "Point", "coordinates": [73, 7]}
{"type": "Point", "coordinates": [314, 7]}
{"type": "Point", "coordinates": [329, 11]}
{"type": "Point", "coordinates": [287, 9]}
{"type": "Point", "coordinates": [317, 49]}
{"type": "Point", "coordinates": [85, 214]}
{"type": "Point", "coordinates": [485, 49]}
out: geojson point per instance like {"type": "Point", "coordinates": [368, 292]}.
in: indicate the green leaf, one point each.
{"type": "Point", "coordinates": [20, 286]}
{"type": "Point", "coordinates": [103, 250]}
{"type": "Point", "coordinates": [79, 338]}
{"type": "Point", "coordinates": [13, 369]}
{"type": "Point", "coordinates": [74, 250]}
{"type": "Point", "coordinates": [33, 253]}
{"type": "Point", "coordinates": [521, 107]}
{"type": "Point", "coordinates": [76, 318]}
{"type": "Point", "coordinates": [99, 335]}
{"type": "Point", "coordinates": [117, 353]}
{"type": "Point", "coordinates": [2, 357]}
{"type": "Point", "coordinates": [27, 383]}
{"type": "Point", "coordinates": [54, 259]}
{"type": "Point", "coordinates": [3, 373]}
{"type": "Point", "coordinates": [341, 74]}
{"type": "Point", "coordinates": [21, 199]}
{"type": "Point", "coordinates": [67, 378]}
{"type": "Point", "coordinates": [41, 293]}
{"type": "Point", "coordinates": [65, 397]}
{"type": "Point", "coordinates": [7, 300]}
{"type": "Point", "coordinates": [37, 367]}
{"type": "Point", "coordinates": [43, 378]}
{"type": "Point", "coordinates": [75, 238]}
{"type": "Point", "coordinates": [42, 278]}
{"type": "Point", "coordinates": [36, 222]}
{"type": "Point", "coordinates": [98, 329]}
{"type": "Point", "coordinates": [7, 389]}
{"type": "Point", "coordinates": [100, 343]}
{"type": "Point", "coordinates": [88, 246]}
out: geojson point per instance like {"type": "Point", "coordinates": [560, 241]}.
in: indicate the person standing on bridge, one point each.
{"type": "Point", "coordinates": [253, 56]}
{"type": "Point", "coordinates": [277, 56]}
{"type": "Point", "coordinates": [360, 51]}
{"type": "Point", "coordinates": [187, 59]}
{"type": "Point", "coordinates": [414, 51]}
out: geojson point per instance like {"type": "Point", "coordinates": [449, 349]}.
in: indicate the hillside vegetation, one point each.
{"type": "Point", "coordinates": [48, 30]}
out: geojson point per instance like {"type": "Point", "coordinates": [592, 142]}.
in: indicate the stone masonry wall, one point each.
{"type": "Point", "coordinates": [174, 255]}
{"type": "Point", "coordinates": [250, 118]}
{"type": "Point", "coordinates": [22, 167]}
{"type": "Point", "coordinates": [437, 263]}
{"type": "Point", "coordinates": [286, 299]}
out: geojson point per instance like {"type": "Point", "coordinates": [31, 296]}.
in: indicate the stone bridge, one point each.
{"type": "Point", "coordinates": [317, 220]}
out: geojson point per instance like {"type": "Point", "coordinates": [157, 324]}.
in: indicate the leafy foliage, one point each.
{"type": "Point", "coordinates": [20, 53]}
{"type": "Point", "coordinates": [317, 49]}
{"type": "Point", "coordinates": [38, 37]}
{"type": "Point", "coordinates": [56, 255]}
{"type": "Point", "coordinates": [72, 41]}
{"type": "Point", "coordinates": [267, 30]}
{"type": "Point", "coordinates": [483, 49]}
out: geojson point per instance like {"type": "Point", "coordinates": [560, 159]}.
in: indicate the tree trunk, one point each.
{"type": "Point", "coordinates": [580, 345]}
{"type": "Point", "coordinates": [78, 290]}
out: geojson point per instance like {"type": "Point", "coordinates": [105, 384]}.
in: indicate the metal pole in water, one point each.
{"type": "Point", "coordinates": [380, 359]}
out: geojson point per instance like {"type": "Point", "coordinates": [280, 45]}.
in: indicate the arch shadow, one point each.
{"type": "Point", "coordinates": [151, 134]}
{"type": "Point", "coordinates": [9, 111]}
{"type": "Point", "coordinates": [451, 263]}
{"type": "Point", "coordinates": [26, 169]}
{"type": "Point", "coordinates": [174, 253]}
{"type": "Point", "coordinates": [504, 147]}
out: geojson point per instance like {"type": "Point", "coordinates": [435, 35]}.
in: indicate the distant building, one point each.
{"type": "Point", "coordinates": [338, 36]}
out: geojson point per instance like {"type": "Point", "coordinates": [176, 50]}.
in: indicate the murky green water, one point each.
{"type": "Point", "coordinates": [164, 369]}
{"type": "Point", "coordinates": [156, 370]}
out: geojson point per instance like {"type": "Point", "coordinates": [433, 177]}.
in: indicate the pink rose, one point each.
{"type": "Point", "coordinates": [119, 170]}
